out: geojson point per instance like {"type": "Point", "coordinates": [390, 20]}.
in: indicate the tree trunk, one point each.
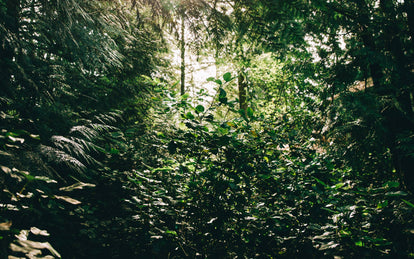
{"type": "Point", "coordinates": [182, 48]}
{"type": "Point", "coordinates": [242, 84]}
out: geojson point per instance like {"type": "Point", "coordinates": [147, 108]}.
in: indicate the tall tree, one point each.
{"type": "Point", "coordinates": [182, 54]}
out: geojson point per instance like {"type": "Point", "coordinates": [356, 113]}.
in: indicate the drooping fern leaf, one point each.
{"type": "Point", "coordinates": [78, 150]}
{"type": "Point", "coordinates": [60, 157]}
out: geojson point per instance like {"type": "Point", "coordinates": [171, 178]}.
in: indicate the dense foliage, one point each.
{"type": "Point", "coordinates": [303, 147]}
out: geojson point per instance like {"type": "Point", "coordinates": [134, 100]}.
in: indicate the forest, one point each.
{"type": "Point", "coordinates": [206, 129]}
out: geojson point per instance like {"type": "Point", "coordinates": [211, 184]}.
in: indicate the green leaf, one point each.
{"type": "Point", "coordinates": [359, 243]}
{"type": "Point", "coordinates": [320, 182]}
{"type": "Point", "coordinates": [345, 233]}
{"type": "Point", "coordinates": [338, 185]}
{"type": "Point", "coordinates": [391, 184]}
{"type": "Point", "coordinates": [210, 79]}
{"type": "Point", "coordinates": [160, 134]}
{"type": "Point", "coordinates": [199, 108]}
{"type": "Point", "coordinates": [171, 232]}
{"type": "Point", "coordinates": [223, 100]}
{"type": "Point", "coordinates": [114, 151]}
{"type": "Point", "coordinates": [227, 77]}
{"type": "Point", "coordinates": [222, 93]}
{"type": "Point", "coordinates": [33, 136]}
{"type": "Point", "coordinates": [250, 112]}
{"type": "Point", "coordinates": [222, 96]}
{"type": "Point", "coordinates": [408, 203]}
{"type": "Point", "coordinates": [218, 81]}
{"type": "Point", "coordinates": [190, 116]}
{"type": "Point", "coordinates": [382, 204]}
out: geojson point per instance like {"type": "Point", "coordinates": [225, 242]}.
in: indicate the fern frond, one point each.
{"type": "Point", "coordinates": [4, 100]}
{"type": "Point", "coordinates": [110, 117]}
{"type": "Point", "coordinates": [76, 147]}
{"type": "Point", "coordinates": [85, 131]}
{"type": "Point", "coordinates": [60, 157]}
{"type": "Point", "coordinates": [103, 128]}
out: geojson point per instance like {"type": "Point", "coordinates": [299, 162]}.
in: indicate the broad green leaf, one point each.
{"type": "Point", "coordinates": [222, 93]}
{"type": "Point", "coordinates": [227, 77]}
{"type": "Point", "coordinates": [190, 116]}
{"type": "Point", "coordinates": [223, 100]}
{"type": "Point", "coordinates": [222, 96]}
{"type": "Point", "coordinates": [199, 108]}
{"type": "Point", "coordinates": [210, 79]}
{"type": "Point", "coordinates": [359, 243]}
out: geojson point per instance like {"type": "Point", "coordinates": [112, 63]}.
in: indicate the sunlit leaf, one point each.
{"type": "Point", "coordinates": [68, 199]}
{"type": "Point", "coordinates": [37, 231]}
{"type": "Point", "coordinates": [359, 243]}
{"type": "Point", "coordinates": [189, 115]}
{"type": "Point", "coordinates": [13, 139]}
{"type": "Point", "coordinates": [5, 226]}
{"type": "Point", "coordinates": [200, 108]}
{"type": "Point", "coordinates": [227, 77]}
{"type": "Point", "coordinates": [76, 186]}
{"type": "Point", "coordinates": [218, 81]}
{"type": "Point", "coordinates": [45, 179]}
